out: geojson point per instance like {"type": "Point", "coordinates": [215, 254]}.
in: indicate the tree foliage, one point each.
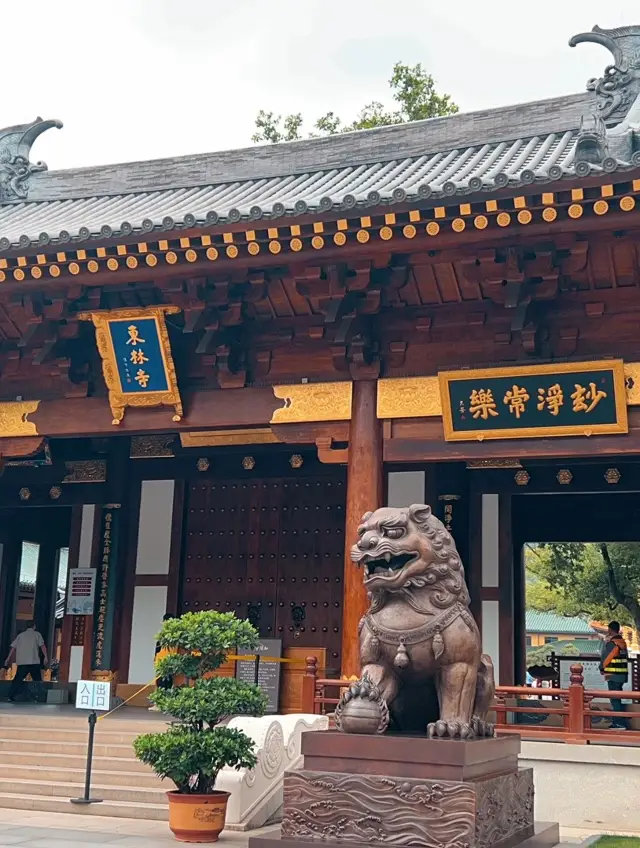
{"type": "Point", "coordinates": [195, 748]}
{"type": "Point", "coordinates": [539, 654]}
{"type": "Point", "coordinates": [599, 581]}
{"type": "Point", "coordinates": [415, 95]}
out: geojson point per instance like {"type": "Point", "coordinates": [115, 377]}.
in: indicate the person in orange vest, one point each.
{"type": "Point", "coordinates": [614, 666]}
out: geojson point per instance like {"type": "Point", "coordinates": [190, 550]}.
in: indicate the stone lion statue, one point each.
{"type": "Point", "coordinates": [420, 647]}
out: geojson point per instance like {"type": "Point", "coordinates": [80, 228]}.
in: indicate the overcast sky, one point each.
{"type": "Point", "coordinates": [140, 79]}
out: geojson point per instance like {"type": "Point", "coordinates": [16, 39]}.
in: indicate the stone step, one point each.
{"type": "Point", "coordinates": [60, 804]}
{"type": "Point", "coordinates": [130, 794]}
{"type": "Point", "coordinates": [60, 735]}
{"type": "Point", "coordinates": [72, 761]}
{"type": "Point", "coordinates": [79, 722]}
{"type": "Point", "coordinates": [43, 745]}
{"type": "Point", "coordinates": [60, 775]}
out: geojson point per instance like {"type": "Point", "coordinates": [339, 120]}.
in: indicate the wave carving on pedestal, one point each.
{"type": "Point", "coordinates": [371, 808]}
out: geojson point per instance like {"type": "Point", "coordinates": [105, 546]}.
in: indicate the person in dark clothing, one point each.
{"type": "Point", "coordinates": [614, 665]}
{"type": "Point", "coordinates": [31, 656]}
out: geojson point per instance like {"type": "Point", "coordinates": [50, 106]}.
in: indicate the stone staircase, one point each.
{"type": "Point", "coordinates": [43, 759]}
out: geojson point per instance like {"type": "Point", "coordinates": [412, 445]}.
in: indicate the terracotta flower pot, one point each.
{"type": "Point", "coordinates": [197, 818]}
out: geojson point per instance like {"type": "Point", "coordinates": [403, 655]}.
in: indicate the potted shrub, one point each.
{"type": "Point", "coordinates": [197, 745]}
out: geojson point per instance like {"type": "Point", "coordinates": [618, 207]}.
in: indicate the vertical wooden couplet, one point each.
{"type": "Point", "coordinates": [106, 588]}
{"type": "Point", "coordinates": [364, 494]}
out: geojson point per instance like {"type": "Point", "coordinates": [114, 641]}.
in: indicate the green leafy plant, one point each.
{"type": "Point", "coordinates": [414, 92]}
{"type": "Point", "coordinates": [194, 749]}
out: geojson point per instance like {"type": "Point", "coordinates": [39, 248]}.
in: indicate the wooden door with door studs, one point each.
{"type": "Point", "coordinates": [270, 550]}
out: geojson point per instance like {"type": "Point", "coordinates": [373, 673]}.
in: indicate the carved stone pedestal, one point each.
{"type": "Point", "coordinates": [408, 791]}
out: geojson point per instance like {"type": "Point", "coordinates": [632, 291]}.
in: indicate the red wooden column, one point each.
{"type": "Point", "coordinates": [364, 493]}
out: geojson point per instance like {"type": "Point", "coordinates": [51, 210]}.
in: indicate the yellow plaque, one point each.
{"type": "Point", "coordinates": [408, 397]}
{"type": "Point", "coordinates": [309, 402]}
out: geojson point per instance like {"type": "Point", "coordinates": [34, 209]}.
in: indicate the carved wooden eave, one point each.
{"type": "Point", "coordinates": [359, 320]}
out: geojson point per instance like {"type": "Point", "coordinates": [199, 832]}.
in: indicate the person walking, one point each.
{"type": "Point", "coordinates": [614, 666]}
{"type": "Point", "coordinates": [27, 649]}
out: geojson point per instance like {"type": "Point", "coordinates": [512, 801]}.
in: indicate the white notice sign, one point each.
{"type": "Point", "coordinates": [82, 587]}
{"type": "Point", "coordinates": [93, 695]}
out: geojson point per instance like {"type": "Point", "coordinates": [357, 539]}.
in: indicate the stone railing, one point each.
{"type": "Point", "coordinates": [256, 794]}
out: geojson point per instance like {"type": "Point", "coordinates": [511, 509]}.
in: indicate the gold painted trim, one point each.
{"type": "Point", "coordinates": [543, 207]}
{"type": "Point", "coordinates": [310, 402]}
{"type": "Point", "coordinates": [408, 397]}
{"type": "Point", "coordinates": [632, 382]}
{"type": "Point", "coordinates": [14, 418]}
{"type": "Point", "coordinates": [482, 464]}
{"type": "Point", "coordinates": [419, 397]}
{"type": "Point", "coordinates": [614, 365]}
{"type": "Point", "coordinates": [228, 438]}
{"type": "Point", "coordinates": [119, 400]}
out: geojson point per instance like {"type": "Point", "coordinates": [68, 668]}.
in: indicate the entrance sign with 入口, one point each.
{"type": "Point", "coordinates": [93, 695]}
{"type": "Point", "coordinates": [81, 592]}
{"type": "Point", "coordinates": [569, 399]}
{"type": "Point", "coordinates": [136, 358]}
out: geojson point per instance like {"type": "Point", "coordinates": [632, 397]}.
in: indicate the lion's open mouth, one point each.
{"type": "Point", "coordinates": [386, 564]}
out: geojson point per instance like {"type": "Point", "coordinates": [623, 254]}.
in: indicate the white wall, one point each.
{"type": "Point", "coordinates": [491, 634]}
{"type": "Point", "coordinates": [405, 488]}
{"type": "Point", "coordinates": [149, 604]}
{"type": "Point", "coordinates": [154, 534]}
{"type": "Point", "coordinates": [490, 541]}
{"type": "Point", "coordinates": [588, 789]}
{"type": "Point", "coordinates": [153, 557]}
{"type": "Point", "coordinates": [86, 535]}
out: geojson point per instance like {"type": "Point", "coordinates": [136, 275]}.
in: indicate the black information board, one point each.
{"type": "Point", "coordinates": [265, 674]}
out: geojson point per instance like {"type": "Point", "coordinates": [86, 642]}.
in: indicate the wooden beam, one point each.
{"type": "Point", "coordinates": [129, 582]}
{"type": "Point", "coordinates": [67, 621]}
{"type": "Point", "coordinates": [506, 583]}
{"type": "Point", "coordinates": [203, 410]}
{"type": "Point", "coordinates": [175, 553]}
{"type": "Point", "coordinates": [364, 493]}
{"type": "Point", "coordinates": [422, 440]}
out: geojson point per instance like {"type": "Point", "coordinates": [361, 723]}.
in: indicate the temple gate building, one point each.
{"type": "Point", "coordinates": [211, 366]}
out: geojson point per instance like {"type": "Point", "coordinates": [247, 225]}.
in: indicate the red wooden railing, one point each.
{"type": "Point", "coordinates": [573, 704]}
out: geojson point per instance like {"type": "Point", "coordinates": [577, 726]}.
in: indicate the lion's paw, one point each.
{"type": "Point", "coordinates": [450, 730]}
{"type": "Point", "coordinates": [482, 728]}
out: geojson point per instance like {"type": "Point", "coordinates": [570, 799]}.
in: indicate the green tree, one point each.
{"type": "Point", "coordinates": [599, 581]}
{"type": "Point", "coordinates": [414, 91]}
{"type": "Point", "coordinates": [539, 654]}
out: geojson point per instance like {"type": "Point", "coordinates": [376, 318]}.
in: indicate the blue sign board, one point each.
{"type": "Point", "coordinates": [136, 358]}
{"type": "Point", "coordinates": [138, 355]}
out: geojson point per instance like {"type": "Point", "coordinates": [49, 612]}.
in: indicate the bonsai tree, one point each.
{"type": "Point", "coordinates": [195, 747]}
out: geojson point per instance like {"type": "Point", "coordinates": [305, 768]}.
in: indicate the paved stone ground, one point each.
{"type": "Point", "coordinates": [30, 829]}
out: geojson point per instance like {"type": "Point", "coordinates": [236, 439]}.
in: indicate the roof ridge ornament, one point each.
{"type": "Point", "coordinates": [619, 86]}
{"type": "Point", "coordinates": [592, 146]}
{"type": "Point", "coordinates": [15, 167]}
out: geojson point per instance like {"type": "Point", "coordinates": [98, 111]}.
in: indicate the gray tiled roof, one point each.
{"type": "Point", "coordinates": [463, 155]}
